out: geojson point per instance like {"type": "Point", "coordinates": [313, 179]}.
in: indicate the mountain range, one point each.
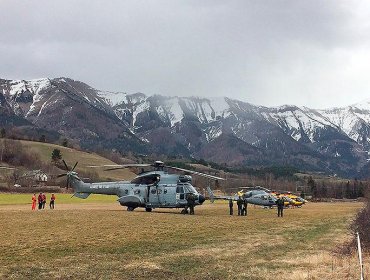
{"type": "Point", "coordinates": [222, 130]}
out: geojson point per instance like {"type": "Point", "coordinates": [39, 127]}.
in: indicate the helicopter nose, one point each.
{"type": "Point", "coordinates": [201, 199]}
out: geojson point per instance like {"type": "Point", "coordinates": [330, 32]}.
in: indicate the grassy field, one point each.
{"type": "Point", "coordinates": [84, 159]}
{"type": "Point", "coordinates": [100, 240]}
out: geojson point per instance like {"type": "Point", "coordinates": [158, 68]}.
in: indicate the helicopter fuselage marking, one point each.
{"type": "Point", "coordinates": [100, 187]}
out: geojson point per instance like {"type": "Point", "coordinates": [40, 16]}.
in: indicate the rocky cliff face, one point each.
{"type": "Point", "coordinates": [223, 130]}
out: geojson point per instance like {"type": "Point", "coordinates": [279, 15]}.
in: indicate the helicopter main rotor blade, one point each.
{"type": "Point", "coordinates": [66, 166]}
{"type": "Point", "coordinates": [195, 173]}
{"type": "Point", "coordinates": [6, 167]}
{"type": "Point", "coordinates": [255, 188]}
{"type": "Point", "coordinates": [74, 166]}
{"type": "Point", "coordinates": [107, 165]}
{"type": "Point", "coordinates": [114, 168]}
{"type": "Point", "coordinates": [157, 164]}
{"type": "Point", "coordinates": [61, 175]}
{"type": "Point", "coordinates": [120, 166]}
{"type": "Point", "coordinates": [124, 166]}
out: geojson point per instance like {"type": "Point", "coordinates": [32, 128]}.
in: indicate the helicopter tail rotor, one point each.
{"type": "Point", "coordinates": [211, 194]}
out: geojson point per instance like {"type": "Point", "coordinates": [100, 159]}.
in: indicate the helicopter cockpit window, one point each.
{"type": "Point", "coordinates": [264, 197]}
{"type": "Point", "coordinates": [248, 194]}
{"type": "Point", "coordinates": [180, 189]}
{"type": "Point", "coordinates": [189, 189]}
{"type": "Point", "coordinates": [146, 180]}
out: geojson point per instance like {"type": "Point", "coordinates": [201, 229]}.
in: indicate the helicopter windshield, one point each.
{"type": "Point", "coordinates": [185, 188]}
{"type": "Point", "coordinates": [189, 189]}
{"type": "Point", "coordinates": [146, 180]}
{"type": "Point", "coordinates": [248, 194]}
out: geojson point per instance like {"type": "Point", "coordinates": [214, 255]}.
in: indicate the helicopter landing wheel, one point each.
{"type": "Point", "coordinates": [148, 209]}
{"type": "Point", "coordinates": [130, 208]}
{"type": "Point", "coordinates": [184, 211]}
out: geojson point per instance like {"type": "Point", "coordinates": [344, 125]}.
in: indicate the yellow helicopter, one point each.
{"type": "Point", "coordinates": [289, 199]}
{"type": "Point", "coordinates": [298, 201]}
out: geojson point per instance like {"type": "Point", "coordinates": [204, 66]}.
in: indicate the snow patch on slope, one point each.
{"type": "Point", "coordinates": [298, 122]}
{"type": "Point", "coordinates": [17, 88]}
{"type": "Point", "coordinates": [171, 109]}
{"type": "Point", "coordinates": [113, 98]}
{"type": "Point", "coordinates": [34, 86]}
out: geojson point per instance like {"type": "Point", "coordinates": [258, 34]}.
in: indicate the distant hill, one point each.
{"type": "Point", "coordinates": [84, 159]}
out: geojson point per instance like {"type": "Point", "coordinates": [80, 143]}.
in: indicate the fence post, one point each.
{"type": "Point", "coordinates": [360, 256]}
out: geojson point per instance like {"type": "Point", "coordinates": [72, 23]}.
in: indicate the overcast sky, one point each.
{"type": "Point", "coordinates": [311, 53]}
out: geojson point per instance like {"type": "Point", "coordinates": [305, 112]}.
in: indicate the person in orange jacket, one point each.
{"type": "Point", "coordinates": [34, 201]}
{"type": "Point", "coordinates": [52, 201]}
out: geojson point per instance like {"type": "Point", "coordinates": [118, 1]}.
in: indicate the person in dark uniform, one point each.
{"type": "Point", "coordinates": [43, 200]}
{"type": "Point", "coordinates": [52, 201]}
{"type": "Point", "coordinates": [245, 205]}
{"type": "Point", "coordinates": [231, 205]}
{"type": "Point", "coordinates": [191, 202]}
{"type": "Point", "coordinates": [280, 206]}
{"type": "Point", "coordinates": [240, 205]}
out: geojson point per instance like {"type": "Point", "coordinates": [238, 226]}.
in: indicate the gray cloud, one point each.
{"type": "Point", "coordinates": [312, 53]}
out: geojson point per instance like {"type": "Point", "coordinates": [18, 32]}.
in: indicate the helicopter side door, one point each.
{"type": "Point", "coordinates": [180, 195]}
{"type": "Point", "coordinates": [162, 196]}
{"type": "Point", "coordinates": [167, 196]}
{"type": "Point", "coordinates": [154, 193]}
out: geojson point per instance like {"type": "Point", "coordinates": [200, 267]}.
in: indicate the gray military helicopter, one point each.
{"type": "Point", "coordinates": [257, 196]}
{"type": "Point", "coordinates": [150, 190]}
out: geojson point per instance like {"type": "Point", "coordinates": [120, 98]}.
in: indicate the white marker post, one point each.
{"type": "Point", "coordinates": [360, 256]}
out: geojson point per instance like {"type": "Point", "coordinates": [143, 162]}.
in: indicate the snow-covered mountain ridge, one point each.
{"type": "Point", "coordinates": [298, 122]}
{"type": "Point", "coordinates": [328, 139]}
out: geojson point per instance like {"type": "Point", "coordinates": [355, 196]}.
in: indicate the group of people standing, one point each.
{"type": "Point", "coordinates": [242, 206]}
{"type": "Point", "coordinates": [41, 200]}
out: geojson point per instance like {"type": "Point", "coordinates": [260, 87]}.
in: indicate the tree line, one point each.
{"type": "Point", "coordinates": [339, 189]}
